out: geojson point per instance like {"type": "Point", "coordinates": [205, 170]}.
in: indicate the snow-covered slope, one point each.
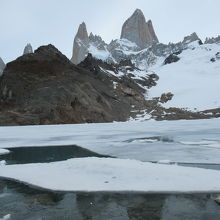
{"type": "Point", "coordinates": [194, 79]}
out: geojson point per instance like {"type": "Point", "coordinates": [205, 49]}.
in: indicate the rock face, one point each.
{"type": "Point", "coordinates": [28, 49]}
{"type": "Point", "coordinates": [212, 40]}
{"type": "Point", "coordinates": [2, 66]}
{"type": "Point", "coordinates": [80, 45]}
{"type": "Point", "coordinates": [46, 88]}
{"type": "Point", "coordinates": [137, 30]}
{"type": "Point", "coordinates": [191, 38]}
{"type": "Point", "coordinates": [136, 34]}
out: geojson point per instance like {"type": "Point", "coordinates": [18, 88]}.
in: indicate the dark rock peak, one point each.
{"type": "Point", "coordinates": [45, 61]}
{"type": "Point", "coordinates": [28, 49]}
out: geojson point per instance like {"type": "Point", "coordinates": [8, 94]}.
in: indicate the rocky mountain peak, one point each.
{"type": "Point", "coordinates": [138, 12]}
{"type": "Point", "coordinates": [190, 38]}
{"type": "Point", "coordinates": [80, 44]}
{"type": "Point", "coordinates": [137, 30]}
{"type": "Point", "coordinates": [2, 66]}
{"type": "Point", "coordinates": [28, 49]}
{"type": "Point", "coordinates": [82, 33]}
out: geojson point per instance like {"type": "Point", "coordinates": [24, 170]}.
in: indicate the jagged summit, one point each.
{"type": "Point", "coordinates": [80, 44]}
{"type": "Point", "coordinates": [138, 12]}
{"type": "Point", "coordinates": [136, 33]}
{"type": "Point", "coordinates": [28, 49]}
{"type": "Point", "coordinates": [137, 30]}
{"type": "Point", "coordinates": [190, 38]}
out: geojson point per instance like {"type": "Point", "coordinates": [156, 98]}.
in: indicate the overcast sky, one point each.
{"type": "Point", "coordinates": [41, 22]}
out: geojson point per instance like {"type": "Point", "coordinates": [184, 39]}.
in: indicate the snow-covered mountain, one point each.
{"type": "Point", "coordinates": [189, 70]}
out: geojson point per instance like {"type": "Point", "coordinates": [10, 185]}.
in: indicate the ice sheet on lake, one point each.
{"type": "Point", "coordinates": [108, 174]}
{"type": "Point", "coordinates": [114, 139]}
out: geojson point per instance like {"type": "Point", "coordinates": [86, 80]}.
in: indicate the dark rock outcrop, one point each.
{"type": "Point", "coordinates": [46, 88]}
{"type": "Point", "coordinates": [165, 97]}
{"type": "Point", "coordinates": [171, 59]}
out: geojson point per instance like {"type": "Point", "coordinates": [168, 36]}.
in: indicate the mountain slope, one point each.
{"type": "Point", "coordinates": [44, 87]}
{"type": "Point", "coordinates": [193, 80]}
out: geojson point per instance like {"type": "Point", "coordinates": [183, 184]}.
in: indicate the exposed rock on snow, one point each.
{"type": "Point", "coordinates": [28, 49]}
{"type": "Point", "coordinates": [165, 97]}
{"type": "Point", "coordinates": [137, 30]}
{"type": "Point", "coordinates": [171, 59]}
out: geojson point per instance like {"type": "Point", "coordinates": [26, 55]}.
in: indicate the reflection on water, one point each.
{"type": "Point", "coordinates": [23, 203]}
{"type": "Point", "coordinates": [24, 155]}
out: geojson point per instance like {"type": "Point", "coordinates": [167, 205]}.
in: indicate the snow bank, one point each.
{"type": "Point", "coordinates": [107, 174]}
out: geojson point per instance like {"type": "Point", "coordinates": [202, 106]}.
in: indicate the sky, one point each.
{"type": "Point", "coordinates": [41, 22]}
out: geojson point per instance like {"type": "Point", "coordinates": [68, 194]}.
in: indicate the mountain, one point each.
{"type": "Point", "coordinates": [80, 45]}
{"type": "Point", "coordinates": [2, 66]}
{"type": "Point", "coordinates": [28, 49]}
{"type": "Point", "coordinates": [46, 88]}
{"type": "Point", "coordinates": [131, 78]}
{"type": "Point", "coordinates": [188, 69]}
{"type": "Point", "coordinates": [137, 30]}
